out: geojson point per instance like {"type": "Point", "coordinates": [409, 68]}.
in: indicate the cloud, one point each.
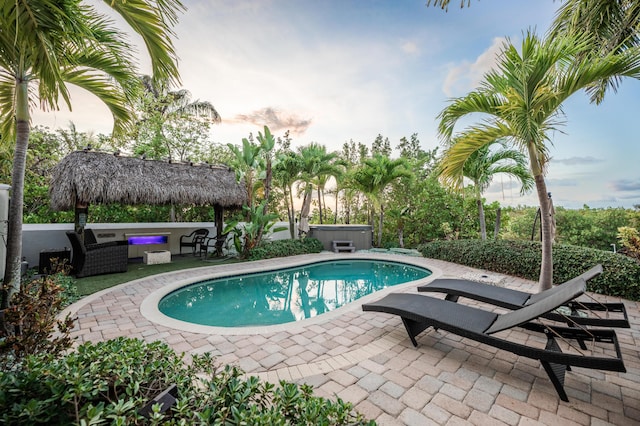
{"type": "Point", "coordinates": [505, 185]}
{"type": "Point", "coordinates": [465, 76]}
{"type": "Point", "coordinates": [410, 48]}
{"type": "Point", "coordinates": [575, 161]}
{"type": "Point", "coordinates": [625, 185]}
{"type": "Point", "coordinates": [561, 182]}
{"type": "Point", "coordinates": [275, 120]}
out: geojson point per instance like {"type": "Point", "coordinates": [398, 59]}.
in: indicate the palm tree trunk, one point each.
{"type": "Point", "coordinates": [380, 225]}
{"type": "Point", "coordinates": [483, 225]}
{"type": "Point", "coordinates": [546, 268]}
{"type": "Point", "coordinates": [292, 223]}
{"type": "Point", "coordinates": [319, 204]}
{"type": "Point", "coordinates": [335, 215]}
{"type": "Point", "coordinates": [11, 282]}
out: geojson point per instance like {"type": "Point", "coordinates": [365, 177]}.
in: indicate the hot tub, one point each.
{"type": "Point", "coordinates": [360, 235]}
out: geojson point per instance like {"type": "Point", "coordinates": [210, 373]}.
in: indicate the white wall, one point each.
{"type": "Point", "coordinates": [38, 237]}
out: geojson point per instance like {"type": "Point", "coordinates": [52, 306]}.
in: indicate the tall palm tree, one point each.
{"type": "Point", "coordinates": [315, 161]}
{"type": "Point", "coordinates": [483, 164]}
{"type": "Point", "coordinates": [373, 178]}
{"type": "Point", "coordinates": [286, 173]}
{"type": "Point", "coordinates": [45, 45]}
{"type": "Point", "coordinates": [161, 110]}
{"type": "Point", "coordinates": [522, 101]}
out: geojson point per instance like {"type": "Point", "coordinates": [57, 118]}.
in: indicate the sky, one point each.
{"type": "Point", "coordinates": [331, 71]}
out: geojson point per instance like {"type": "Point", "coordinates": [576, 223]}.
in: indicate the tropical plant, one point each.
{"type": "Point", "coordinates": [315, 161]}
{"type": "Point", "coordinates": [286, 173]}
{"type": "Point", "coordinates": [46, 45]}
{"type": "Point", "coordinates": [613, 27]}
{"type": "Point", "coordinates": [523, 100]}
{"type": "Point", "coordinates": [247, 235]}
{"type": "Point", "coordinates": [247, 165]}
{"type": "Point", "coordinates": [483, 164]}
{"type": "Point", "coordinates": [170, 124]}
{"type": "Point", "coordinates": [373, 177]}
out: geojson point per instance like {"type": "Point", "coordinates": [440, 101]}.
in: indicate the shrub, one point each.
{"type": "Point", "coordinates": [31, 325]}
{"type": "Point", "coordinates": [621, 276]}
{"type": "Point", "coordinates": [282, 248]}
{"type": "Point", "coordinates": [108, 382]}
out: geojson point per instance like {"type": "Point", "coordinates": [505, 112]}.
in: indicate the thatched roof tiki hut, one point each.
{"type": "Point", "coordinates": [86, 177]}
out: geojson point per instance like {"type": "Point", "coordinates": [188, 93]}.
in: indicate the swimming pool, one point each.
{"type": "Point", "coordinates": [285, 295]}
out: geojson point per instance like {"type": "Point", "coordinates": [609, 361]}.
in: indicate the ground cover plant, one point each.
{"type": "Point", "coordinates": [621, 276]}
{"type": "Point", "coordinates": [109, 382]}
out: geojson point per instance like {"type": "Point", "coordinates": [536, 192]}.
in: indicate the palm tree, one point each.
{"type": "Point", "coordinates": [613, 26]}
{"type": "Point", "coordinates": [374, 176]}
{"type": "Point", "coordinates": [45, 45]}
{"type": "Point", "coordinates": [247, 163]}
{"type": "Point", "coordinates": [286, 173]}
{"type": "Point", "coordinates": [315, 161]}
{"type": "Point", "coordinates": [483, 164]}
{"type": "Point", "coordinates": [161, 111]}
{"type": "Point", "coordinates": [522, 100]}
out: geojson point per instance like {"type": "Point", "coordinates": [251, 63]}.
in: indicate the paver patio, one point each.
{"type": "Point", "coordinates": [366, 358]}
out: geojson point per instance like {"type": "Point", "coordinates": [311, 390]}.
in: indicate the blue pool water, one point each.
{"type": "Point", "coordinates": [286, 295]}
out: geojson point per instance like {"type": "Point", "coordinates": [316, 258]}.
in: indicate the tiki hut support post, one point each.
{"type": "Point", "coordinates": [80, 217]}
{"type": "Point", "coordinates": [218, 214]}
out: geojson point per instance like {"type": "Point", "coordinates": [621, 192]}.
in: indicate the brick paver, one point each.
{"type": "Point", "coordinates": [367, 359]}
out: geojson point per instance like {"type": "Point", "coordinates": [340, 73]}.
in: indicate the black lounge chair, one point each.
{"type": "Point", "coordinates": [419, 312]}
{"type": "Point", "coordinates": [97, 258]}
{"type": "Point", "coordinates": [514, 299]}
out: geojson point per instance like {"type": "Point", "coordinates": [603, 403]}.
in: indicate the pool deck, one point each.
{"type": "Point", "coordinates": [366, 357]}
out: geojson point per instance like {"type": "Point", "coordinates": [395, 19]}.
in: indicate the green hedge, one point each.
{"type": "Point", "coordinates": [621, 276]}
{"type": "Point", "coordinates": [283, 248]}
{"type": "Point", "coordinates": [108, 383]}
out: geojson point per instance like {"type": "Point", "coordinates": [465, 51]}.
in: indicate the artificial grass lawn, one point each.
{"type": "Point", "coordinates": [90, 285]}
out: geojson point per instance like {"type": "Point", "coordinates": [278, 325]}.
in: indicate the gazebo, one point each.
{"type": "Point", "coordinates": [88, 177]}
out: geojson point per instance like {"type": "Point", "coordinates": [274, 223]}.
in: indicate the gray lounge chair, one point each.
{"type": "Point", "coordinates": [419, 312]}
{"type": "Point", "coordinates": [514, 299]}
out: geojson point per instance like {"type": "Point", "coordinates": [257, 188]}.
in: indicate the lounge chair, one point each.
{"type": "Point", "coordinates": [514, 299]}
{"type": "Point", "coordinates": [97, 258]}
{"type": "Point", "coordinates": [419, 312]}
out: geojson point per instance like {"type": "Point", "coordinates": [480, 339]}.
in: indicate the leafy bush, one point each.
{"type": "Point", "coordinates": [31, 325]}
{"type": "Point", "coordinates": [282, 248]}
{"type": "Point", "coordinates": [621, 276]}
{"type": "Point", "coordinates": [110, 381]}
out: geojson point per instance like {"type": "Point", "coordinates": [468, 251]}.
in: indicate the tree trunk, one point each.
{"type": "Point", "coordinates": [335, 215]}
{"type": "Point", "coordinates": [546, 269]}
{"type": "Point", "coordinates": [380, 225]}
{"type": "Point", "coordinates": [483, 225]}
{"type": "Point", "coordinates": [496, 229]}
{"type": "Point", "coordinates": [292, 223]}
{"type": "Point", "coordinates": [11, 282]}
{"type": "Point", "coordinates": [319, 204]}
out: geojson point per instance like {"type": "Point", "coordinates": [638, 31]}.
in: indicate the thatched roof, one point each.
{"type": "Point", "coordinates": [102, 178]}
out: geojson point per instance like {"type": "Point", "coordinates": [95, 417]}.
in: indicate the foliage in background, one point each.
{"type": "Point", "coordinates": [283, 248]}
{"type": "Point", "coordinates": [621, 276]}
{"type": "Point", "coordinates": [110, 381]}
{"type": "Point", "coordinates": [586, 227]}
